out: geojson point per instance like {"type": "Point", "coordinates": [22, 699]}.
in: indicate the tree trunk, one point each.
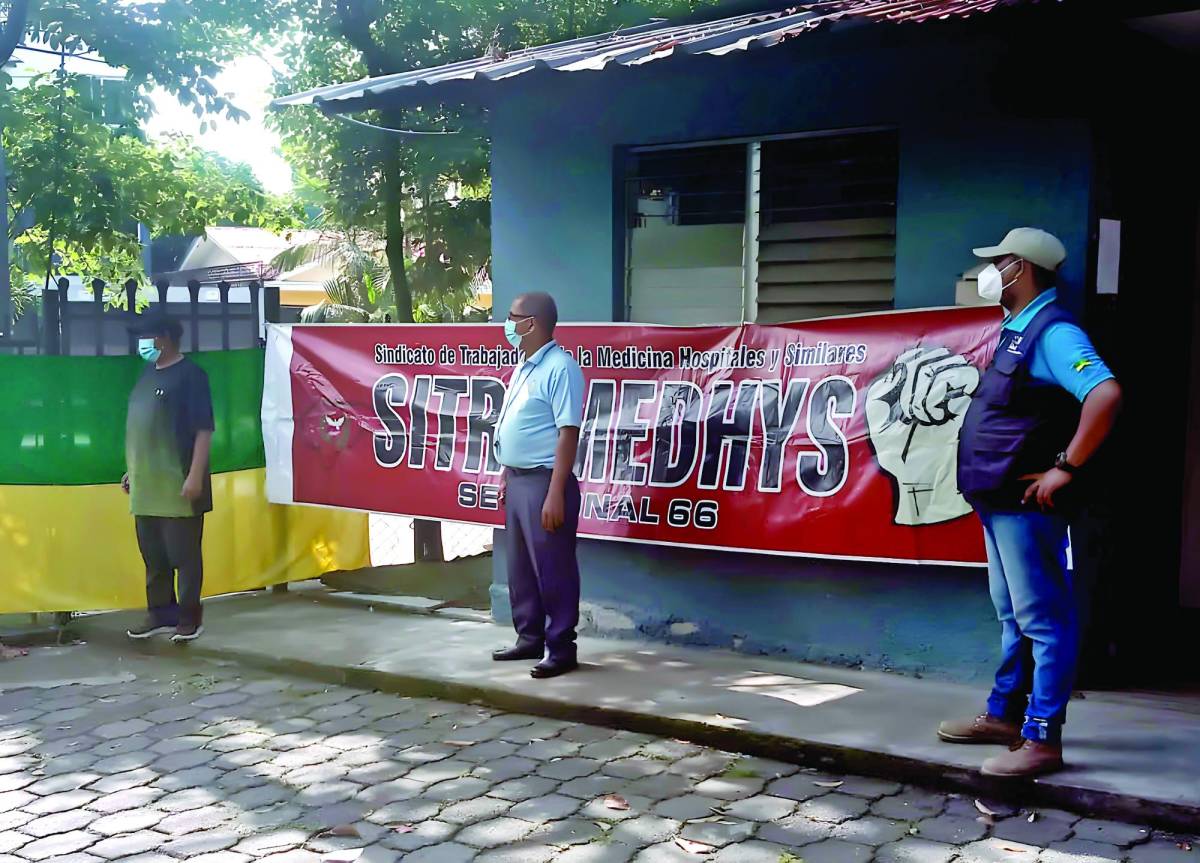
{"type": "Point", "coordinates": [393, 204]}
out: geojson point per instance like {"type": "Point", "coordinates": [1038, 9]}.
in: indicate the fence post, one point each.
{"type": "Point", "coordinates": [98, 287]}
{"type": "Point", "coordinates": [256, 326]}
{"type": "Point", "coordinates": [223, 290]}
{"type": "Point", "coordinates": [163, 285]}
{"type": "Point", "coordinates": [194, 309]}
{"type": "Point", "coordinates": [271, 303]}
{"type": "Point", "coordinates": [52, 300]}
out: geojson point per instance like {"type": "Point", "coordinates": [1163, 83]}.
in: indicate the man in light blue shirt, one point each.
{"type": "Point", "coordinates": [1043, 408]}
{"type": "Point", "coordinates": [537, 435]}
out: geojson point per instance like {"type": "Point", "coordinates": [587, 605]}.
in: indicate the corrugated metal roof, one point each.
{"type": "Point", "coordinates": [645, 44]}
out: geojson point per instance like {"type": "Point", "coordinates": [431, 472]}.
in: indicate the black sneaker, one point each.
{"type": "Point", "coordinates": [187, 632]}
{"type": "Point", "coordinates": [148, 628]}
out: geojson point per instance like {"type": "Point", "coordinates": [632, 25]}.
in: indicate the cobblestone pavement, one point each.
{"type": "Point", "coordinates": [199, 762]}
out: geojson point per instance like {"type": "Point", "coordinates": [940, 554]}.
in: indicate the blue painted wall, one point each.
{"type": "Point", "coordinates": [969, 170]}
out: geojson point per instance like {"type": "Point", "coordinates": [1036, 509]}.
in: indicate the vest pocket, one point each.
{"type": "Point", "coordinates": [987, 461]}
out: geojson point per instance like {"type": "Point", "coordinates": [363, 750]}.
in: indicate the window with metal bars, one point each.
{"type": "Point", "coordinates": [774, 230]}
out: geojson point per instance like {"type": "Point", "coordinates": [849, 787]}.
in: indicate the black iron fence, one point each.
{"type": "Point", "coordinates": [96, 327]}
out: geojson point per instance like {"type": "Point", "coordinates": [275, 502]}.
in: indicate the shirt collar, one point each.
{"type": "Point", "coordinates": [541, 352]}
{"type": "Point", "coordinates": [1021, 320]}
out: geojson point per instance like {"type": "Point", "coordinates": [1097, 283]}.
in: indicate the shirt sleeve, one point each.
{"type": "Point", "coordinates": [566, 395]}
{"type": "Point", "coordinates": [200, 409]}
{"type": "Point", "coordinates": [1072, 360]}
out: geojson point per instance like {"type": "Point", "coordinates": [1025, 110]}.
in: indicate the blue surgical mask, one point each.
{"type": "Point", "coordinates": [510, 332]}
{"type": "Point", "coordinates": [147, 350]}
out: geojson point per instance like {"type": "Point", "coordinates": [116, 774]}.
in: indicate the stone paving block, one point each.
{"type": "Point", "coordinates": [124, 728]}
{"type": "Point", "coordinates": [645, 830]}
{"type": "Point", "coordinates": [11, 840]}
{"type": "Point", "coordinates": [454, 790]}
{"type": "Point", "coordinates": [16, 781]}
{"type": "Point", "coordinates": [324, 793]}
{"type": "Point", "coordinates": [194, 820]}
{"type": "Point", "coordinates": [121, 763]}
{"type": "Point", "coordinates": [545, 750]}
{"type": "Point", "coordinates": [833, 808]}
{"type": "Point", "coordinates": [182, 801]}
{"type": "Point", "coordinates": [406, 812]}
{"type": "Point", "coordinates": [202, 842]}
{"type": "Point", "coordinates": [1081, 851]}
{"type": "Point", "coordinates": [503, 769]}
{"type": "Point", "coordinates": [449, 852]}
{"type": "Point", "coordinates": [195, 777]}
{"type": "Point", "coordinates": [60, 822]}
{"type": "Point", "coordinates": [915, 850]}
{"type": "Point", "coordinates": [121, 801]}
{"type": "Point", "coordinates": [129, 821]}
{"type": "Point", "coordinates": [635, 767]}
{"type": "Point", "coordinates": [270, 817]}
{"type": "Point", "coordinates": [1040, 831]}
{"type": "Point", "coordinates": [872, 789]}
{"type": "Point", "coordinates": [590, 787]}
{"type": "Point", "coordinates": [13, 820]}
{"type": "Point", "coordinates": [837, 851]}
{"type": "Point", "coordinates": [548, 808]}
{"type": "Point", "coordinates": [664, 852]}
{"type": "Point", "coordinates": [761, 807]}
{"type": "Point", "coordinates": [599, 852]}
{"type": "Point", "coordinates": [692, 806]}
{"type": "Point", "coordinates": [719, 833]}
{"type": "Point", "coordinates": [522, 852]}
{"type": "Point", "coordinates": [569, 768]}
{"type": "Point", "coordinates": [124, 781]}
{"type": "Point", "coordinates": [731, 787]}
{"type": "Point", "coordinates": [265, 795]}
{"type": "Point", "coordinates": [1110, 832]}
{"type": "Point", "coordinates": [569, 832]}
{"type": "Point", "coordinates": [754, 851]}
{"type": "Point", "coordinates": [64, 782]}
{"type": "Point", "coordinates": [490, 834]}
{"type": "Point", "coordinates": [1155, 851]}
{"type": "Point", "coordinates": [295, 855]}
{"type": "Point", "coordinates": [221, 857]}
{"type": "Point", "coordinates": [472, 811]}
{"type": "Point", "coordinates": [388, 792]}
{"type": "Point", "coordinates": [910, 805]}
{"type": "Point", "coordinates": [798, 787]}
{"type": "Point", "coordinates": [993, 850]}
{"type": "Point", "coordinates": [188, 742]}
{"type": "Point", "coordinates": [60, 802]}
{"type": "Point", "coordinates": [660, 787]}
{"type": "Point", "coordinates": [871, 830]}
{"type": "Point", "coordinates": [272, 841]}
{"type": "Point", "coordinates": [951, 829]}
{"type": "Point", "coordinates": [59, 845]}
{"type": "Point", "coordinates": [964, 806]}
{"type": "Point", "coordinates": [614, 747]}
{"type": "Point", "coordinates": [316, 773]}
{"type": "Point", "coordinates": [439, 771]}
{"type": "Point", "coordinates": [795, 831]}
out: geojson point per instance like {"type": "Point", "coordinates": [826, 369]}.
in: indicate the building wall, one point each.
{"type": "Point", "coordinates": [969, 170]}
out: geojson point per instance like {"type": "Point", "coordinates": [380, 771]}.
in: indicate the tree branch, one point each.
{"type": "Point", "coordinates": [355, 25]}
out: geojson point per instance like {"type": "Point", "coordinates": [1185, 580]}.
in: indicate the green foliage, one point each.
{"type": "Point", "coordinates": [92, 184]}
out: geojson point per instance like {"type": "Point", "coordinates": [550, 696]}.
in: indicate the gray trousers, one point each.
{"type": "Point", "coordinates": [169, 545]}
{"type": "Point", "coordinates": [543, 574]}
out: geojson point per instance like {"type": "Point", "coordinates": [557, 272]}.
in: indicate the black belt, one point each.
{"type": "Point", "coordinates": [527, 471]}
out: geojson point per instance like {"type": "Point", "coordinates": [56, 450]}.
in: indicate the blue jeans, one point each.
{"type": "Point", "coordinates": [1035, 602]}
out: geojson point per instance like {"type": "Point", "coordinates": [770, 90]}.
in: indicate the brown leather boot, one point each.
{"type": "Point", "coordinates": [1032, 758]}
{"type": "Point", "coordinates": [984, 728]}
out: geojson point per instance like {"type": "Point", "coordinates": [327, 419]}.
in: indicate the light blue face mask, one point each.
{"type": "Point", "coordinates": [510, 331]}
{"type": "Point", "coordinates": [147, 350]}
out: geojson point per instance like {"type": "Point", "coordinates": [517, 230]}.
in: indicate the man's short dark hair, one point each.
{"type": "Point", "coordinates": [1043, 278]}
{"type": "Point", "coordinates": [542, 306]}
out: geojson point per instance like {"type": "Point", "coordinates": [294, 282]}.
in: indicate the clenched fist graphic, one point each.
{"type": "Point", "coordinates": [914, 412]}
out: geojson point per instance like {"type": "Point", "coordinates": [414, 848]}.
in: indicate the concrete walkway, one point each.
{"type": "Point", "coordinates": [1131, 757]}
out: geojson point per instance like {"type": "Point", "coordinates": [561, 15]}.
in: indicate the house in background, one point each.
{"type": "Point", "coordinates": [238, 255]}
{"type": "Point", "coordinates": [766, 162]}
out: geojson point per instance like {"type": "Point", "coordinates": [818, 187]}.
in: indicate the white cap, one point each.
{"type": "Point", "coordinates": [1032, 244]}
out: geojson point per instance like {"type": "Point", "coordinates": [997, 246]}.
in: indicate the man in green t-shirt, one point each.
{"type": "Point", "coordinates": [168, 435]}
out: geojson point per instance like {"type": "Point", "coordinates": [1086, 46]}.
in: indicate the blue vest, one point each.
{"type": "Point", "coordinates": [1016, 425]}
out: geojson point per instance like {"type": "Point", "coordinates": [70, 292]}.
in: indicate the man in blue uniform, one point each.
{"type": "Point", "coordinates": [537, 434]}
{"type": "Point", "coordinates": [1043, 408]}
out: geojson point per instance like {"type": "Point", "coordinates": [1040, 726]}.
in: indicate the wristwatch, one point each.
{"type": "Point", "coordinates": [1062, 464]}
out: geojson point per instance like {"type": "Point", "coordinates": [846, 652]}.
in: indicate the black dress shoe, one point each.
{"type": "Point", "coordinates": [552, 668]}
{"type": "Point", "coordinates": [519, 651]}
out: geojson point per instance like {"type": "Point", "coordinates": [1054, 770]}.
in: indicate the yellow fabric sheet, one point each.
{"type": "Point", "coordinates": [72, 548]}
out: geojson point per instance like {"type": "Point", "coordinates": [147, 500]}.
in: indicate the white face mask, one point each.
{"type": "Point", "coordinates": [992, 284]}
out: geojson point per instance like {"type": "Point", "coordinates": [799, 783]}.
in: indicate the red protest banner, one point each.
{"type": "Point", "coordinates": [832, 438]}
